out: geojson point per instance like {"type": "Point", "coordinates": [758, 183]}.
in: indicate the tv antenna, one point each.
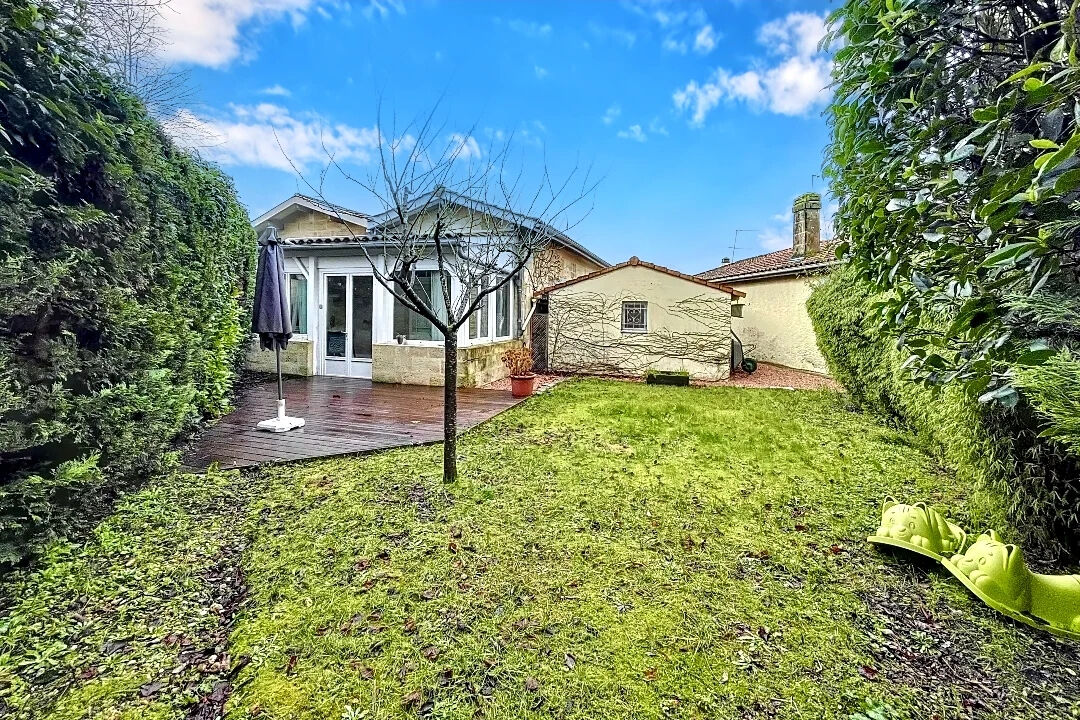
{"type": "Point", "coordinates": [819, 177]}
{"type": "Point", "coordinates": [735, 242]}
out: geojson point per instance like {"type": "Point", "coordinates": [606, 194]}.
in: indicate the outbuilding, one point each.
{"type": "Point", "coordinates": [633, 317]}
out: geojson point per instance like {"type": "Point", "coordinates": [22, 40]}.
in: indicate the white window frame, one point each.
{"type": "Point", "coordinates": [288, 297]}
{"type": "Point", "coordinates": [494, 327]}
{"type": "Point", "coordinates": [643, 306]}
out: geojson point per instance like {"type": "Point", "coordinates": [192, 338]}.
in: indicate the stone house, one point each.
{"type": "Point", "coordinates": [346, 324]}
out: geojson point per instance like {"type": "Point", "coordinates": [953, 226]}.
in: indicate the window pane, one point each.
{"type": "Point", "coordinates": [335, 316]}
{"type": "Point", "coordinates": [479, 320]}
{"type": "Point", "coordinates": [361, 316]}
{"type": "Point", "coordinates": [502, 311]}
{"type": "Point", "coordinates": [413, 325]}
{"type": "Point", "coordinates": [298, 303]}
{"type": "Point", "coordinates": [635, 316]}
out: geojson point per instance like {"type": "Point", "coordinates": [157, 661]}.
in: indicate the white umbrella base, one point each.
{"type": "Point", "coordinates": [282, 423]}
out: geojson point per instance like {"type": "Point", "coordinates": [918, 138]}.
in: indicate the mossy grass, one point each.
{"type": "Point", "coordinates": [611, 550]}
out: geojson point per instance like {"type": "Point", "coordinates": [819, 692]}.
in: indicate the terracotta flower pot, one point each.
{"type": "Point", "coordinates": [522, 385]}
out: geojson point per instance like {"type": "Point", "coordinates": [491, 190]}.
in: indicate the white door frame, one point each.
{"type": "Point", "coordinates": [347, 366]}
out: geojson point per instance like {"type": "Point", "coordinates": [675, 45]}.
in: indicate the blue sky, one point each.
{"type": "Point", "coordinates": [702, 118]}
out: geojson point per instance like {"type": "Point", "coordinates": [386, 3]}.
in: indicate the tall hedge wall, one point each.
{"type": "Point", "coordinates": [1026, 480]}
{"type": "Point", "coordinates": [125, 268]}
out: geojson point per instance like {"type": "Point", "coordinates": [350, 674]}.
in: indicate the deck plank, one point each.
{"type": "Point", "coordinates": [343, 416]}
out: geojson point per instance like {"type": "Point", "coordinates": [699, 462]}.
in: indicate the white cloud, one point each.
{"type": "Point", "coordinates": [619, 35]}
{"type": "Point", "coordinates": [672, 45]}
{"type": "Point", "coordinates": [529, 28]}
{"type": "Point", "coordinates": [208, 32]}
{"type": "Point", "coordinates": [634, 133]}
{"type": "Point", "coordinates": [540, 72]}
{"type": "Point", "coordinates": [382, 8]}
{"type": "Point", "coordinates": [463, 147]}
{"type": "Point", "coordinates": [276, 90]}
{"type": "Point", "coordinates": [213, 33]}
{"type": "Point", "coordinates": [773, 239]}
{"type": "Point", "coordinates": [680, 25]}
{"type": "Point", "coordinates": [798, 33]}
{"type": "Point", "coordinates": [611, 114]}
{"type": "Point", "coordinates": [268, 135]}
{"type": "Point", "coordinates": [705, 40]}
{"type": "Point", "coordinates": [793, 85]}
{"type": "Point", "coordinates": [657, 128]}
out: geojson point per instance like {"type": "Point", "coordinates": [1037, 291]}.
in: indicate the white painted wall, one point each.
{"type": "Point", "coordinates": [776, 323]}
{"type": "Point", "coordinates": [689, 325]}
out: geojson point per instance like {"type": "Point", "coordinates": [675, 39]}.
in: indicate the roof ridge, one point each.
{"type": "Point", "coordinates": [635, 261]}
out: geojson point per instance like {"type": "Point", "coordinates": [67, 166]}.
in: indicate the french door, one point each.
{"type": "Point", "coordinates": [347, 312]}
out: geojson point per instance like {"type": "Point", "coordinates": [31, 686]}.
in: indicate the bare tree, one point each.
{"type": "Point", "coordinates": [448, 200]}
{"type": "Point", "coordinates": [128, 37]}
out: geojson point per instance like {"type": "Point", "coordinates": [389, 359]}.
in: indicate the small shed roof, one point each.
{"type": "Point", "coordinates": [637, 262]}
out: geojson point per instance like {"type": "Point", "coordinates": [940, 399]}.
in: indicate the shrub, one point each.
{"type": "Point", "coordinates": [126, 266]}
{"type": "Point", "coordinates": [1029, 479]}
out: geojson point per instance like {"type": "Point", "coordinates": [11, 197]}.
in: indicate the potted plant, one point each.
{"type": "Point", "coordinates": [518, 360]}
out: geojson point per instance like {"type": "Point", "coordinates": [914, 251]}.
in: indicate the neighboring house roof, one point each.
{"type": "Point", "coordinates": [309, 203]}
{"type": "Point", "coordinates": [636, 262]}
{"type": "Point", "coordinates": [442, 194]}
{"type": "Point", "coordinates": [774, 264]}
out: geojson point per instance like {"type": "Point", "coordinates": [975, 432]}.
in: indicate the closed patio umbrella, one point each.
{"type": "Point", "coordinates": [270, 318]}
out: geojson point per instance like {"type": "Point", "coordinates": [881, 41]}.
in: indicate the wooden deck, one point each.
{"type": "Point", "coordinates": [343, 416]}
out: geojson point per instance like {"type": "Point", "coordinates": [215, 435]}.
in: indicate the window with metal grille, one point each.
{"type": "Point", "coordinates": [635, 317]}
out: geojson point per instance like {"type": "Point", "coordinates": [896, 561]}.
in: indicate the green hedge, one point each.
{"type": "Point", "coordinates": [125, 268]}
{"type": "Point", "coordinates": [1029, 481]}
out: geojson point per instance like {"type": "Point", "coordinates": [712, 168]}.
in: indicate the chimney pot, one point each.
{"type": "Point", "coordinates": [725, 261]}
{"type": "Point", "coordinates": [806, 230]}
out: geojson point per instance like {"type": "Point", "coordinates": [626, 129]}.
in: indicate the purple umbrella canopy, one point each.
{"type": "Point", "coordinates": [270, 312]}
{"type": "Point", "coordinates": [270, 318]}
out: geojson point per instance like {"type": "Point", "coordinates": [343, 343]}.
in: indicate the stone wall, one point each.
{"type": "Point", "coordinates": [423, 364]}
{"type": "Point", "coordinates": [309, 223]}
{"type": "Point", "coordinates": [297, 359]}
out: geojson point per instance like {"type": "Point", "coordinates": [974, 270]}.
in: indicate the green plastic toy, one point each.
{"type": "Point", "coordinates": [997, 575]}
{"type": "Point", "coordinates": [918, 528]}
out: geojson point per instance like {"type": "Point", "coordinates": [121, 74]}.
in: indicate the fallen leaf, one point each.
{"type": "Point", "coordinates": [150, 689]}
{"type": "Point", "coordinates": [429, 594]}
{"type": "Point", "coordinates": [532, 684]}
{"type": "Point", "coordinates": [290, 664]}
{"type": "Point", "coordinates": [366, 673]}
{"type": "Point", "coordinates": [570, 661]}
{"type": "Point", "coordinates": [430, 652]}
{"type": "Point", "coordinates": [413, 699]}
{"type": "Point", "coordinates": [868, 672]}
{"type": "Point", "coordinates": [650, 674]}
{"type": "Point", "coordinates": [410, 625]}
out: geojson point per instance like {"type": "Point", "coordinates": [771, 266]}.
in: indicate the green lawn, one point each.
{"type": "Point", "coordinates": [611, 550]}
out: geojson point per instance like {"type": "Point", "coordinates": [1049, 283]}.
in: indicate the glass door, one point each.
{"type": "Point", "coordinates": [347, 310]}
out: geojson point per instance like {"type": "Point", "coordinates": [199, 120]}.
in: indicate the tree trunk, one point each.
{"type": "Point", "coordinates": [450, 374]}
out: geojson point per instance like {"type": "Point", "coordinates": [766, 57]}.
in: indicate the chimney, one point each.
{"type": "Point", "coordinates": [725, 261]}
{"type": "Point", "coordinates": [806, 239]}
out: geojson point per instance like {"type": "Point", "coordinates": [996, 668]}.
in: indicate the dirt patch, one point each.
{"type": "Point", "coordinates": [932, 650]}
{"type": "Point", "coordinates": [775, 376]}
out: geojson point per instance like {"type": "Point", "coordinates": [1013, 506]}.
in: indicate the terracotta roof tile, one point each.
{"type": "Point", "coordinates": [636, 262]}
{"type": "Point", "coordinates": [772, 264]}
